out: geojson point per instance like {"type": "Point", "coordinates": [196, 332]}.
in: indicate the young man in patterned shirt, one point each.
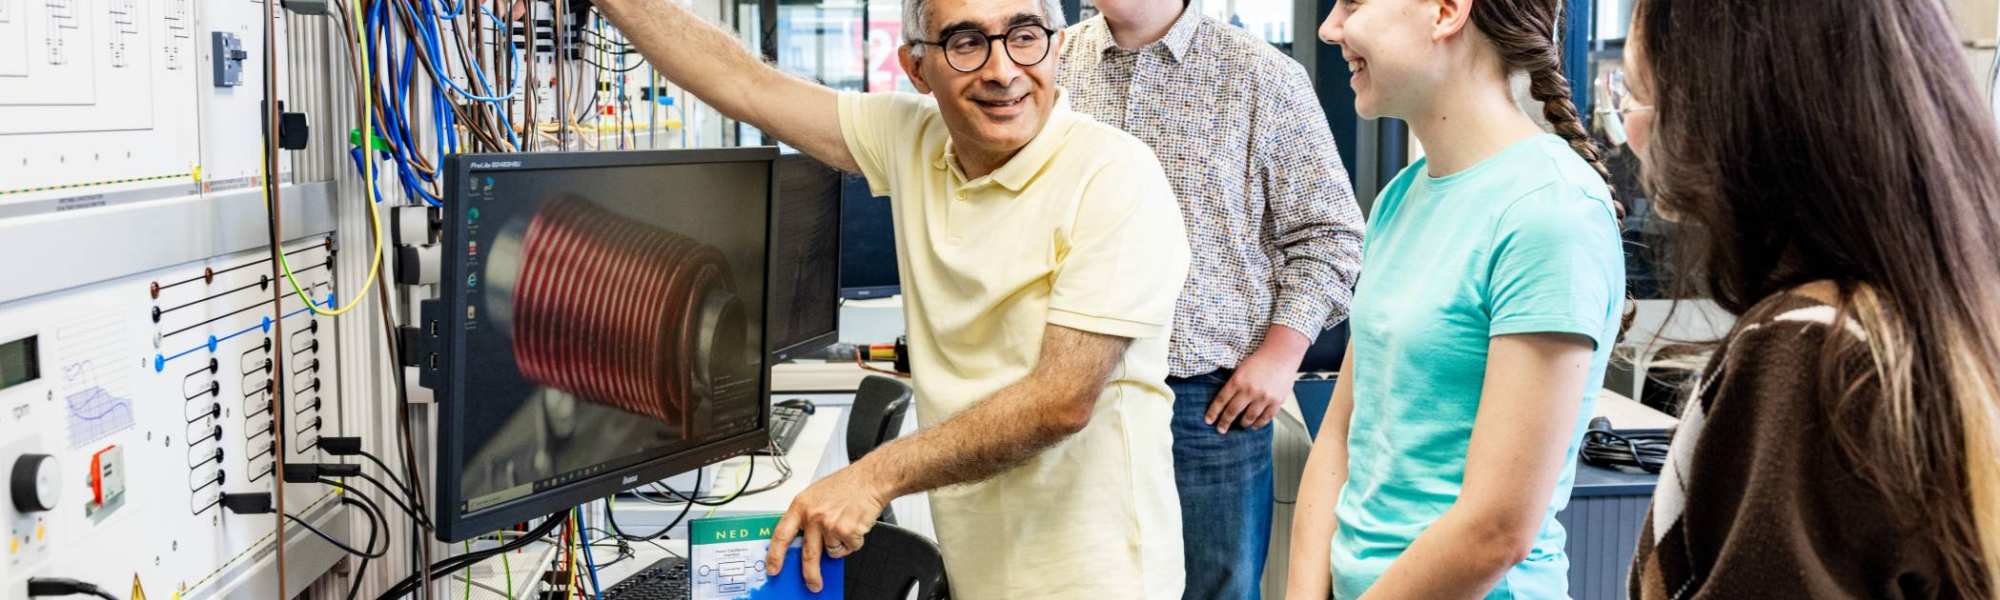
{"type": "Point", "coordinates": [1276, 241]}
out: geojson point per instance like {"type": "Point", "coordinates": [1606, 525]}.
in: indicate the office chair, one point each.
{"type": "Point", "coordinates": [877, 415]}
{"type": "Point", "coordinates": [891, 560]}
{"type": "Point", "coordinates": [876, 418]}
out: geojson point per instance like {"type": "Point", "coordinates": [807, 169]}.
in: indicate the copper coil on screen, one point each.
{"type": "Point", "coordinates": [622, 313]}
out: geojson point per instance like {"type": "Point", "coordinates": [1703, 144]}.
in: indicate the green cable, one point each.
{"type": "Point", "coordinates": [467, 578]}
{"type": "Point", "coordinates": [509, 570]}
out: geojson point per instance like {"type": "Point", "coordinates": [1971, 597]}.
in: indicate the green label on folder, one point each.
{"type": "Point", "coordinates": [726, 562]}
{"type": "Point", "coordinates": [724, 530]}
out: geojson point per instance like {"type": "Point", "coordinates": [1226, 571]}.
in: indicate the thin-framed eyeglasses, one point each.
{"type": "Point", "coordinates": [967, 50]}
{"type": "Point", "coordinates": [1621, 95]}
{"type": "Point", "coordinates": [1620, 107]}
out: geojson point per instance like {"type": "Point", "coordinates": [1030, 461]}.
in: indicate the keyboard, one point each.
{"type": "Point", "coordinates": [787, 422]}
{"type": "Point", "coordinates": [663, 580]}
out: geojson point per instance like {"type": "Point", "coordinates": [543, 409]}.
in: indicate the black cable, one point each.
{"type": "Point", "coordinates": [609, 540]}
{"type": "Point", "coordinates": [635, 66]}
{"type": "Point", "coordinates": [374, 524]}
{"type": "Point", "coordinates": [48, 587]}
{"type": "Point", "coordinates": [391, 473]}
{"type": "Point", "coordinates": [611, 516]}
{"type": "Point", "coordinates": [357, 496]}
{"type": "Point", "coordinates": [391, 493]}
{"type": "Point", "coordinates": [454, 563]}
{"type": "Point", "coordinates": [1604, 447]}
{"type": "Point", "coordinates": [354, 587]}
{"type": "Point", "coordinates": [394, 343]}
{"type": "Point", "coordinates": [606, 44]}
{"type": "Point", "coordinates": [609, 536]}
{"type": "Point", "coordinates": [604, 38]}
{"type": "Point", "coordinates": [678, 497]}
{"type": "Point", "coordinates": [369, 553]}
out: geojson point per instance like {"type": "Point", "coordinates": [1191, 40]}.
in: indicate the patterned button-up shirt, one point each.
{"type": "Point", "coordinates": [1270, 215]}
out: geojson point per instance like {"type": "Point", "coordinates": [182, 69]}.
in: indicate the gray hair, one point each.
{"type": "Point", "coordinates": [917, 21]}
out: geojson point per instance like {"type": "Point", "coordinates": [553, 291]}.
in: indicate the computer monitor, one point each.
{"type": "Point", "coordinates": [867, 243]}
{"type": "Point", "coordinates": [805, 258]}
{"type": "Point", "coordinates": [601, 325]}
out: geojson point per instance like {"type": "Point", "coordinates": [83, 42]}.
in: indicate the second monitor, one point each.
{"type": "Point", "coordinates": [805, 257]}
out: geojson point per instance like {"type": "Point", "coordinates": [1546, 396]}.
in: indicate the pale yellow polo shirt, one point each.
{"type": "Point", "coordinates": [1080, 229]}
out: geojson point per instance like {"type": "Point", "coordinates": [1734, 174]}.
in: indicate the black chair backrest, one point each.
{"type": "Point", "coordinates": [891, 560]}
{"type": "Point", "coordinates": [877, 415]}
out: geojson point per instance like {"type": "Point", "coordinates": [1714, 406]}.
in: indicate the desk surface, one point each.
{"type": "Point", "coordinates": [1628, 414]}
{"type": "Point", "coordinates": [817, 452]}
{"type": "Point", "coordinates": [810, 458]}
{"type": "Point", "coordinates": [820, 450]}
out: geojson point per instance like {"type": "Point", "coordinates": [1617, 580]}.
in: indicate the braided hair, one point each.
{"type": "Point", "coordinates": [1524, 31]}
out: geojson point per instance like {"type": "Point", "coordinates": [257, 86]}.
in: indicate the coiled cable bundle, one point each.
{"type": "Point", "coordinates": [619, 312]}
{"type": "Point", "coordinates": [1605, 447]}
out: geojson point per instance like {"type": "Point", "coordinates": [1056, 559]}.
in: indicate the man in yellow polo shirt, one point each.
{"type": "Point", "coordinates": [1042, 254]}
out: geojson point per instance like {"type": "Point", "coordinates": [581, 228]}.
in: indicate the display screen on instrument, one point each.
{"type": "Point", "coordinates": [18, 362]}
{"type": "Point", "coordinates": [613, 314]}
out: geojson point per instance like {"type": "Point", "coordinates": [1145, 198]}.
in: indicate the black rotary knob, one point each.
{"type": "Point", "coordinates": [35, 482]}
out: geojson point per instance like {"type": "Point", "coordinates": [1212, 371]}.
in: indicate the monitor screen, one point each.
{"type": "Point", "coordinates": [867, 243]}
{"type": "Point", "coordinates": [805, 257]}
{"type": "Point", "coordinates": [604, 325]}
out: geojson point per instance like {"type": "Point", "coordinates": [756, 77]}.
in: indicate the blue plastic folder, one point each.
{"type": "Point", "coordinates": [727, 562]}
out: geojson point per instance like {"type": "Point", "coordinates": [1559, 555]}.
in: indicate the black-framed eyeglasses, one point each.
{"type": "Point", "coordinates": [967, 50]}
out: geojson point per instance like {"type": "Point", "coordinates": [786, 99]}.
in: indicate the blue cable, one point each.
{"type": "Point", "coordinates": [433, 50]}
{"type": "Point", "coordinates": [390, 120]}
{"type": "Point", "coordinates": [515, 64]}
{"type": "Point", "coordinates": [583, 530]}
{"type": "Point", "coordinates": [394, 123]}
{"type": "Point", "coordinates": [413, 182]}
{"type": "Point", "coordinates": [442, 127]}
{"type": "Point", "coordinates": [428, 29]}
{"type": "Point", "coordinates": [355, 154]}
{"type": "Point", "coordinates": [449, 14]}
{"type": "Point", "coordinates": [393, 118]}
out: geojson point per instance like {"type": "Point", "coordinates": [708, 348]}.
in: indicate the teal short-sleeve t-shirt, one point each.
{"type": "Point", "coordinates": [1523, 242]}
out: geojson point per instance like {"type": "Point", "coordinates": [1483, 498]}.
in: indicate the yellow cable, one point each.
{"type": "Point", "coordinates": [367, 194]}
{"type": "Point", "coordinates": [570, 564]}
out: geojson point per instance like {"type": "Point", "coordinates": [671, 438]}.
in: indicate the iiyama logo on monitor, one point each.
{"type": "Point", "coordinates": [498, 164]}
{"type": "Point", "coordinates": [629, 480]}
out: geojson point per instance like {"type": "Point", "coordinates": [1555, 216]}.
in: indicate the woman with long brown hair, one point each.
{"type": "Point", "coordinates": [1488, 303]}
{"type": "Point", "coordinates": [1835, 175]}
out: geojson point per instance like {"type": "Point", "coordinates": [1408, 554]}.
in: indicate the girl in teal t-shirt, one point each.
{"type": "Point", "coordinates": [1489, 300]}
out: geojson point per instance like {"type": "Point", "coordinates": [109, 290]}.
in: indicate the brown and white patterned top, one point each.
{"type": "Point", "coordinates": [1270, 215]}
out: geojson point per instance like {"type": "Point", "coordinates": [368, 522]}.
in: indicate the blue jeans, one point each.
{"type": "Point", "coordinates": [1225, 489]}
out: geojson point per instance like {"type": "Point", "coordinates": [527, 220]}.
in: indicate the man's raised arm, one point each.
{"type": "Point", "coordinates": [714, 65]}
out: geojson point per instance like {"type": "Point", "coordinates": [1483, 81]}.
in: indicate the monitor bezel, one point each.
{"type": "Point", "coordinates": [454, 525]}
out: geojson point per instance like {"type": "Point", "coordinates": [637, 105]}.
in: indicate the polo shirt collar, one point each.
{"type": "Point", "coordinates": [1019, 170]}
{"type": "Point", "coordinates": [1178, 41]}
